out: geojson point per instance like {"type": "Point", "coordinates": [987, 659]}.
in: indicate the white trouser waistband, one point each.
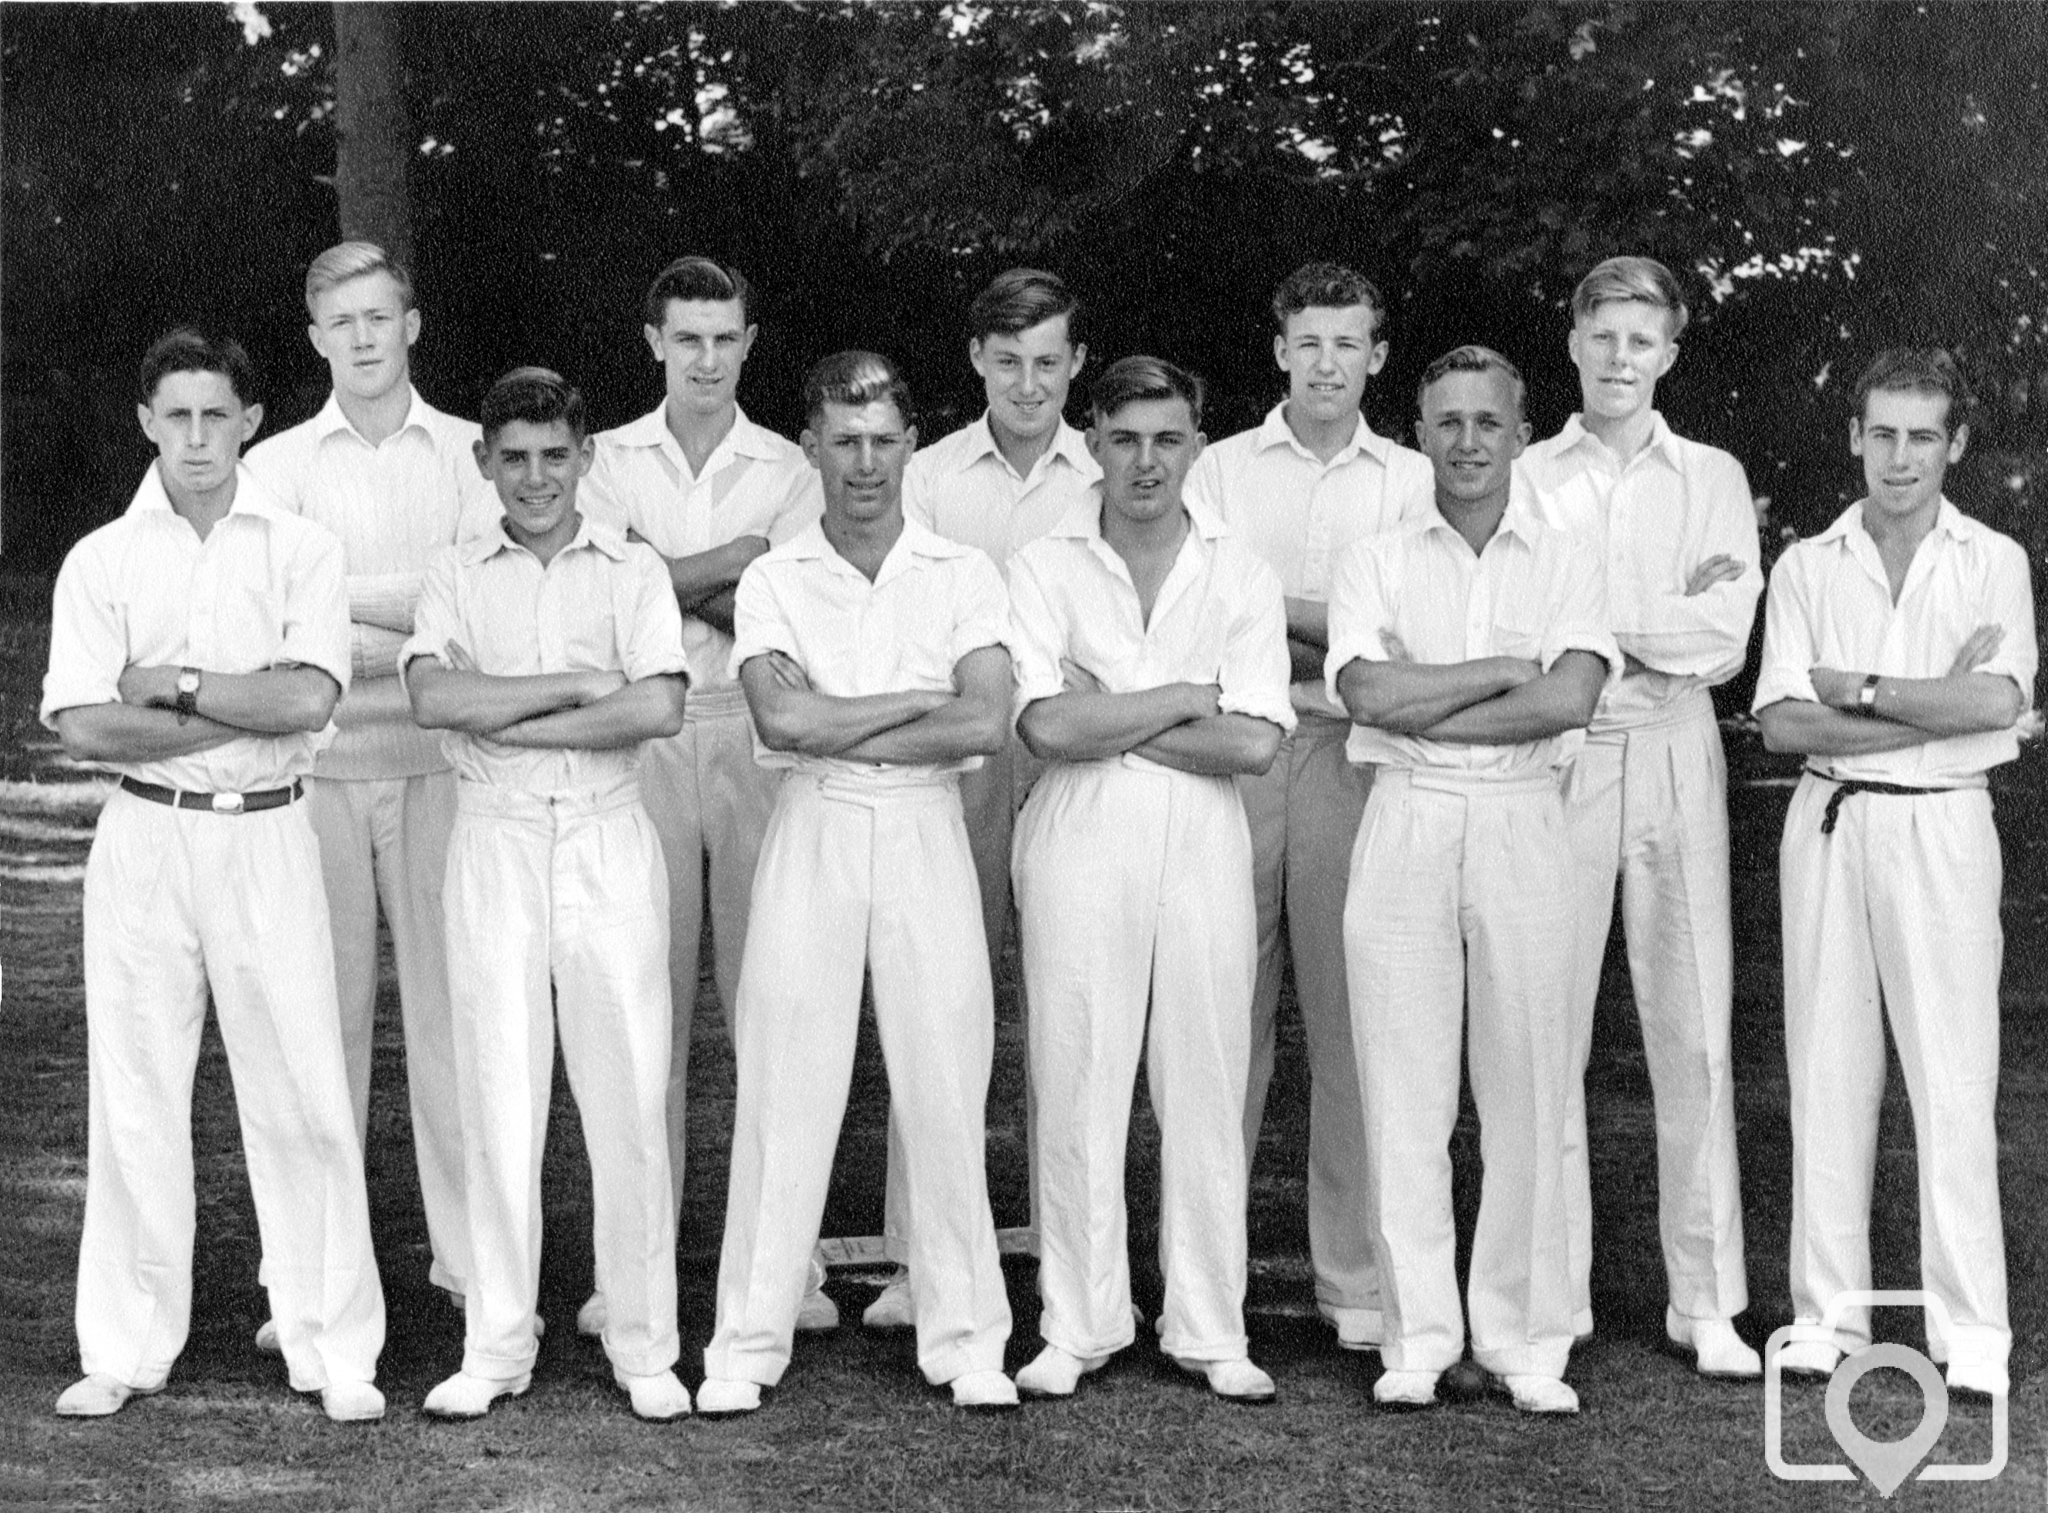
{"type": "Point", "coordinates": [558, 804]}
{"type": "Point", "coordinates": [1467, 784]}
{"type": "Point", "coordinates": [1698, 704]}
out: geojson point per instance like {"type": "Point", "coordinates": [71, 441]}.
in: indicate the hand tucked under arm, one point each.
{"type": "Point", "coordinates": [1409, 697]}
{"type": "Point", "coordinates": [1962, 701]}
{"type": "Point", "coordinates": [453, 695]}
{"type": "Point", "coordinates": [641, 710]}
{"type": "Point", "coordinates": [973, 722]}
{"type": "Point", "coordinates": [136, 733]}
{"type": "Point", "coordinates": [278, 700]}
{"type": "Point", "coordinates": [1559, 700]}
{"type": "Point", "coordinates": [792, 716]}
{"type": "Point", "coordinates": [1219, 745]}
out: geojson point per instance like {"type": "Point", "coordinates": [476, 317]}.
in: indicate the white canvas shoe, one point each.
{"type": "Point", "coordinates": [98, 1395]}
{"type": "Point", "coordinates": [1810, 1358]}
{"type": "Point", "coordinates": [1055, 1373]}
{"type": "Point", "coordinates": [593, 1316]}
{"type": "Point", "coordinates": [1406, 1389]}
{"type": "Point", "coordinates": [266, 1338]}
{"type": "Point", "coordinates": [1238, 1379]}
{"type": "Point", "coordinates": [1541, 1394]}
{"type": "Point", "coordinates": [352, 1402]}
{"type": "Point", "coordinates": [466, 1396]}
{"type": "Point", "coordinates": [984, 1389]}
{"type": "Point", "coordinates": [721, 1395]}
{"type": "Point", "coordinates": [1717, 1348]}
{"type": "Point", "coordinates": [891, 1309]}
{"type": "Point", "coordinates": [655, 1397]}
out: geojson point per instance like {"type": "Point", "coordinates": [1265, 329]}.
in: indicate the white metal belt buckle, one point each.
{"type": "Point", "coordinates": [227, 803]}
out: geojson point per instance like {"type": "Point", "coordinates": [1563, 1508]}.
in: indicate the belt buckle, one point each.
{"type": "Point", "coordinates": [227, 803]}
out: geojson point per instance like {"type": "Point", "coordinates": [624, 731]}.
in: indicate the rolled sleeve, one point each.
{"type": "Point", "coordinates": [1580, 620]}
{"type": "Point", "coordinates": [88, 640]}
{"type": "Point", "coordinates": [1358, 613]}
{"type": "Point", "coordinates": [2010, 602]}
{"type": "Point", "coordinates": [316, 623]}
{"type": "Point", "coordinates": [1787, 668]}
{"type": "Point", "coordinates": [1036, 642]}
{"type": "Point", "coordinates": [1254, 676]}
{"type": "Point", "coordinates": [437, 617]}
{"type": "Point", "coordinates": [981, 615]}
{"type": "Point", "coordinates": [759, 625]}
{"type": "Point", "coordinates": [652, 646]}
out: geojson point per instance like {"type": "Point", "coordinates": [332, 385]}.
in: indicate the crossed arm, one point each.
{"type": "Point", "coordinates": [1489, 701]}
{"type": "Point", "coordinates": [704, 581]}
{"type": "Point", "coordinates": [1907, 712]}
{"type": "Point", "coordinates": [596, 710]}
{"type": "Point", "coordinates": [1177, 725]}
{"type": "Point", "coordinates": [144, 726]}
{"type": "Point", "coordinates": [909, 727]}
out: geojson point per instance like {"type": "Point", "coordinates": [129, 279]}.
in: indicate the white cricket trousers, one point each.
{"type": "Point", "coordinates": [1894, 917]}
{"type": "Point", "coordinates": [1304, 813]}
{"type": "Point", "coordinates": [385, 840]}
{"type": "Point", "coordinates": [177, 902]}
{"type": "Point", "coordinates": [1460, 886]}
{"type": "Point", "coordinates": [990, 796]}
{"type": "Point", "coordinates": [709, 800]}
{"type": "Point", "coordinates": [1134, 882]}
{"type": "Point", "coordinates": [862, 869]}
{"type": "Point", "coordinates": [565, 886]}
{"type": "Point", "coordinates": [1649, 802]}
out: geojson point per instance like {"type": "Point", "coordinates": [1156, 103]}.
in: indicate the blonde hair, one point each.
{"type": "Point", "coordinates": [347, 260]}
{"type": "Point", "coordinates": [1642, 279]}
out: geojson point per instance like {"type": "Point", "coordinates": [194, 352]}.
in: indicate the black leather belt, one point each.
{"type": "Point", "coordinates": [1845, 787]}
{"type": "Point", "coordinates": [218, 803]}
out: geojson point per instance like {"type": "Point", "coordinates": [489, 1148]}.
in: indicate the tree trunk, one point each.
{"type": "Point", "coordinates": [374, 134]}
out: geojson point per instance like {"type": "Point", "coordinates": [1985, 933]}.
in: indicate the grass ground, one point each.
{"type": "Point", "coordinates": [853, 1426]}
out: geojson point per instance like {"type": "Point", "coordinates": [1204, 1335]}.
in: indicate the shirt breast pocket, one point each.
{"type": "Point", "coordinates": [249, 628]}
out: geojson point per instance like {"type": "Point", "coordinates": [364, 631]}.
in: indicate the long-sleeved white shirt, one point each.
{"type": "Point", "coordinates": [1831, 606]}
{"type": "Point", "coordinates": [1533, 592]}
{"type": "Point", "coordinates": [754, 483]}
{"type": "Point", "coordinates": [393, 505]}
{"type": "Point", "coordinates": [264, 587]}
{"type": "Point", "coordinates": [963, 488]}
{"type": "Point", "coordinates": [1651, 522]}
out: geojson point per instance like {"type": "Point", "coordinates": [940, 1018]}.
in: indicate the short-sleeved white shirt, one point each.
{"type": "Point", "coordinates": [393, 504]}
{"type": "Point", "coordinates": [1831, 606]}
{"type": "Point", "coordinates": [264, 587]}
{"type": "Point", "coordinates": [754, 483]}
{"type": "Point", "coordinates": [1652, 521]}
{"type": "Point", "coordinates": [1218, 618]}
{"type": "Point", "coordinates": [932, 602]}
{"type": "Point", "coordinates": [1533, 592]}
{"type": "Point", "coordinates": [602, 605]}
{"type": "Point", "coordinates": [962, 487]}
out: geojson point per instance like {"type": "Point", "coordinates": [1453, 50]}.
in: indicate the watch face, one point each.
{"type": "Point", "coordinates": [188, 682]}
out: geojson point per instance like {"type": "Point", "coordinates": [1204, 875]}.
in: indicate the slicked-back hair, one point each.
{"type": "Point", "coordinates": [538, 396]}
{"type": "Point", "coordinates": [1473, 358]}
{"type": "Point", "coordinates": [1131, 379]}
{"type": "Point", "coordinates": [695, 278]}
{"type": "Point", "coordinates": [187, 350]}
{"type": "Point", "coordinates": [347, 260]}
{"type": "Point", "coordinates": [855, 379]}
{"type": "Point", "coordinates": [1020, 298]}
{"type": "Point", "coordinates": [1328, 286]}
{"type": "Point", "coordinates": [1642, 279]}
{"type": "Point", "coordinates": [1922, 370]}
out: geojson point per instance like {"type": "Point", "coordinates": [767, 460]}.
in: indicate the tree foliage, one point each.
{"type": "Point", "coordinates": [1831, 178]}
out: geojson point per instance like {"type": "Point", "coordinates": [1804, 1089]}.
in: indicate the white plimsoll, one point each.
{"type": "Point", "coordinates": [721, 1395]}
{"type": "Point", "coordinates": [1406, 1389]}
{"type": "Point", "coordinates": [1541, 1394]}
{"type": "Point", "coordinates": [659, 1395]}
{"type": "Point", "coordinates": [466, 1396]}
{"type": "Point", "coordinates": [351, 1402]}
{"type": "Point", "coordinates": [1055, 1373]}
{"type": "Point", "coordinates": [1717, 1348]}
{"type": "Point", "coordinates": [891, 1307]}
{"type": "Point", "coordinates": [97, 1395]}
{"type": "Point", "coordinates": [1237, 1379]}
{"type": "Point", "coordinates": [983, 1389]}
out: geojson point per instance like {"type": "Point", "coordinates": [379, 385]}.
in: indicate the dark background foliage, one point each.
{"type": "Point", "coordinates": [1828, 178]}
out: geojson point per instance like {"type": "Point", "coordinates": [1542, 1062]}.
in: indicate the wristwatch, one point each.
{"type": "Point", "coordinates": [1866, 696]}
{"type": "Point", "coordinates": [187, 703]}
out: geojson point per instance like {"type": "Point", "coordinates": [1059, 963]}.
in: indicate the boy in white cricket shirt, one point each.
{"type": "Point", "coordinates": [875, 658]}
{"type": "Point", "coordinates": [1298, 489]}
{"type": "Point", "coordinates": [550, 649]}
{"type": "Point", "coordinates": [1465, 644]}
{"type": "Point", "coordinates": [710, 491]}
{"type": "Point", "coordinates": [1647, 794]}
{"type": "Point", "coordinates": [1152, 652]}
{"type": "Point", "coordinates": [198, 647]}
{"type": "Point", "coordinates": [1899, 656]}
{"type": "Point", "coordinates": [396, 480]}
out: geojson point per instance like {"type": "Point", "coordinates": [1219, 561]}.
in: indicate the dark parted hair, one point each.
{"type": "Point", "coordinates": [1924, 370]}
{"type": "Point", "coordinates": [1020, 298]}
{"type": "Point", "coordinates": [695, 278]}
{"type": "Point", "coordinates": [538, 396]}
{"type": "Point", "coordinates": [188, 350]}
